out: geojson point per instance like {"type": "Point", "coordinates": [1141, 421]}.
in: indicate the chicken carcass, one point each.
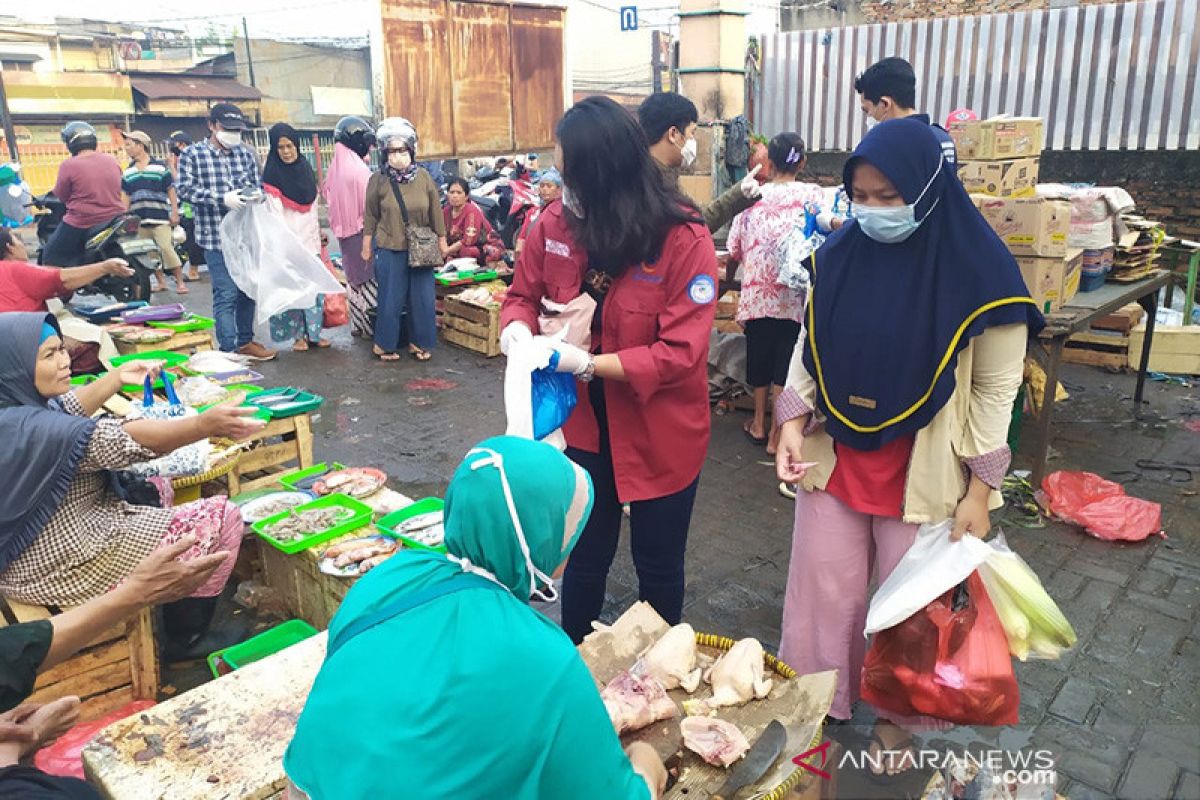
{"type": "Point", "coordinates": [738, 676]}
{"type": "Point", "coordinates": [718, 742]}
{"type": "Point", "coordinates": [672, 660]}
{"type": "Point", "coordinates": [634, 701]}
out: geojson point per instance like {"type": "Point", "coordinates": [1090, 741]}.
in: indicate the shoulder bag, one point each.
{"type": "Point", "coordinates": [423, 249]}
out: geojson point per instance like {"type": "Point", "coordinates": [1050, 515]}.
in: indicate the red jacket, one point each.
{"type": "Point", "coordinates": [657, 319]}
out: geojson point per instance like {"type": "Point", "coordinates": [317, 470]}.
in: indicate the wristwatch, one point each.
{"type": "Point", "coordinates": [589, 371]}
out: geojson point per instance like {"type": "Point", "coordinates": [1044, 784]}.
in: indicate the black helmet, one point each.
{"type": "Point", "coordinates": [78, 136]}
{"type": "Point", "coordinates": [356, 133]}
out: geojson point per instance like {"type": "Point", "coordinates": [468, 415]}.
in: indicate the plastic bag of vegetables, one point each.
{"type": "Point", "coordinates": [1033, 622]}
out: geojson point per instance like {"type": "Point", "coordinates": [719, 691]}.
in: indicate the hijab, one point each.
{"type": "Point", "coordinates": [886, 322]}
{"type": "Point", "coordinates": [345, 191]}
{"type": "Point", "coordinates": [293, 183]}
{"type": "Point", "coordinates": [43, 445]}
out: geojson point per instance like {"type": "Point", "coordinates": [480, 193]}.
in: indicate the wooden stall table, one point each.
{"type": "Point", "coordinates": [189, 342]}
{"type": "Point", "coordinates": [1075, 317]}
{"type": "Point", "coordinates": [263, 463]}
{"type": "Point", "coordinates": [305, 591]}
{"type": "Point", "coordinates": [223, 739]}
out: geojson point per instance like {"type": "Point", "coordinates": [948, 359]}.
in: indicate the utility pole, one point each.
{"type": "Point", "coordinates": [249, 57]}
{"type": "Point", "coordinates": [10, 135]}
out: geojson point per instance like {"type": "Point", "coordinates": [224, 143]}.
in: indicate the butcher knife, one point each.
{"type": "Point", "coordinates": [756, 763]}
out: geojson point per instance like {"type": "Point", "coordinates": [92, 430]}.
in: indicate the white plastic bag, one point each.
{"type": "Point", "coordinates": [930, 568]}
{"type": "Point", "coordinates": [269, 264]}
{"type": "Point", "coordinates": [525, 358]}
{"type": "Point", "coordinates": [191, 459]}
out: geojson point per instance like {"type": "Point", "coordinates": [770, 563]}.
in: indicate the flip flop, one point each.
{"type": "Point", "coordinates": [761, 441]}
{"type": "Point", "coordinates": [323, 343]}
{"type": "Point", "coordinates": [421, 355]}
{"type": "Point", "coordinates": [389, 356]}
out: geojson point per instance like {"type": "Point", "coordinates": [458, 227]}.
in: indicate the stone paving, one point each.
{"type": "Point", "coordinates": [1121, 710]}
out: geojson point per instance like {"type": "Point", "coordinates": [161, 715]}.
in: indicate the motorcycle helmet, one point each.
{"type": "Point", "coordinates": [79, 136]}
{"type": "Point", "coordinates": [355, 133]}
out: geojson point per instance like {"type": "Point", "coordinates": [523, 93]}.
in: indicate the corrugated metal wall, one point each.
{"type": "Point", "coordinates": [1105, 77]}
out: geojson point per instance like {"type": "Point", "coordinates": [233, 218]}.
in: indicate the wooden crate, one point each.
{"type": "Point", "coordinates": [1175, 350]}
{"type": "Point", "coordinates": [1098, 348]}
{"type": "Point", "coordinates": [120, 665]}
{"type": "Point", "coordinates": [472, 327]}
{"type": "Point", "coordinates": [284, 445]}
{"type": "Point", "coordinates": [1123, 320]}
{"type": "Point", "coordinates": [190, 342]}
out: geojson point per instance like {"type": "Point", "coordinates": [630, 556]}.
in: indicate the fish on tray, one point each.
{"type": "Point", "coordinates": [357, 556]}
{"type": "Point", "coordinates": [300, 524]}
{"type": "Point", "coordinates": [353, 481]}
{"type": "Point", "coordinates": [429, 528]}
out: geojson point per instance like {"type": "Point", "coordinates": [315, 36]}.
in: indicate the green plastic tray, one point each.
{"type": "Point", "coordinates": [171, 359]}
{"type": "Point", "coordinates": [84, 380]}
{"type": "Point", "coordinates": [192, 322]}
{"type": "Point", "coordinates": [304, 401]}
{"type": "Point", "coordinates": [361, 518]}
{"type": "Point", "coordinates": [389, 524]}
{"type": "Point", "coordinates": [456, 278]}
{"type": "Point", "coordinates": [292, 479]}
{"type": "Point", "coordinates": [267, 643]}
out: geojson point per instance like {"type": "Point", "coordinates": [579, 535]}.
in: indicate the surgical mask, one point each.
{"type": "Point", "coordinates": [229, 139]}
{"type": "Point", "coordinates": [400, 160]}
{"type": "Point", "coordinates": [871, 122]}
{"type": "Point", "coordinates": [688, 151]}
{"type": "Point", "coordinates": [571, 202]}
{"type": "Point", "coordinates": [893, 224]}
{"type": "Point", "coordinates": [547, 592]}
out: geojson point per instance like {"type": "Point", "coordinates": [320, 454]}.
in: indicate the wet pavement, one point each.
{"type": "Point", "coordinates": [1121, 711]}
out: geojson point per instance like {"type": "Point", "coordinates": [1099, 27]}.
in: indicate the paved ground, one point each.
{"type": "Point", "coordinates": [1121, 710]}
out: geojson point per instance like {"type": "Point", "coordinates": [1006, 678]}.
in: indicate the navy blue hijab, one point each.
{"type": "Point", "coordinates": [43, 445]}
{"type": "Point", "coordinates": [886, 322]}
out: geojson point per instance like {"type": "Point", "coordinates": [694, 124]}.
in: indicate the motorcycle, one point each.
{"type": "Point", "coordinates": [117, 238]}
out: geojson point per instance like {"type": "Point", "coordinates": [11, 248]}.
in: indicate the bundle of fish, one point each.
{"type": "Point", "coordinates": [428, 529]}
{"type": "Point", "coordinates": [360, 556]}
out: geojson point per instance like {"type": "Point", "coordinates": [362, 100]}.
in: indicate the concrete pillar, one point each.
{"type": "Point", "coordinates": [712, 54]}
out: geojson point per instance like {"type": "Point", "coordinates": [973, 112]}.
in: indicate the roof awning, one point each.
{"type": "Point", "coordinates": [57, 94]}
{"type": "Point", "coordinates": [192, 87]}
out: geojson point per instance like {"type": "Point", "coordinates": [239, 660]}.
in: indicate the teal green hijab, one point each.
{"type": "Point", "coordinates": [473, 694]}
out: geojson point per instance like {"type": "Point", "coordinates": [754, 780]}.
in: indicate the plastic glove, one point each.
{"type": "Point", "coordinates": [571, 359]}
{"type": "Point", "coordinates": [749, 186]}
{"type": "Point", "coordinates": [233, 200]}
{"type": "Point", "coordinates": [513, 333]}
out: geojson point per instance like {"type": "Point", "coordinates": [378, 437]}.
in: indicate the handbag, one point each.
{"type": "Point", "coordinates": [191, 459]}
{"type": "Point", "coordinates": [423, 249]}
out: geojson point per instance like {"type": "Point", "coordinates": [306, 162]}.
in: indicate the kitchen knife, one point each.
{"type": "Point", "coordinates": [756, 763]}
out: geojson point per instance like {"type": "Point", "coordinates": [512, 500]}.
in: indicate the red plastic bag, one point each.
{"type": "Point", "coordinates": [945, 662]}
{"type": "Point", "coordinates": [65, 758]}
{"type": "Point", "coordinates": [337, 309]}
{"type": "Point", "coordinates": [1101, 506]}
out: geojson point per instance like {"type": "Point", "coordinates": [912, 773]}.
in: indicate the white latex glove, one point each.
{"type": "Point", "coordinates": [513, 333]}
{"type": "Point", "coordinates": [233, 200]}
{"type": "Point", "coordinates": [750, 188]}
{"type": "Point", "coordinates": [571, 359]}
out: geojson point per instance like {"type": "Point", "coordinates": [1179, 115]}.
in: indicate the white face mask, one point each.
{"type": "Point", "coordinates": [229, 139]}
{"type": "Point", "coordinates": [871, 122]}
{"type": "Point", "coordinates": [688, 151]}
{"type": "Point", "coordinates": [571, 202]}
{"type": "Point", "coordinates": [400, 160]}
{"type": "Point", "coordinates": [547, 592]}
{"type": "Point", "coordinates": [893, 224]}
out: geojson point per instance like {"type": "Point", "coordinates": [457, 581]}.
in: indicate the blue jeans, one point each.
{"type": "Point", "coordinates": [232, 309]}
{"type": "Point", "coordinates": [401, 290]}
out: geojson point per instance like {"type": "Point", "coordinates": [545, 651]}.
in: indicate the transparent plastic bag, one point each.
{"type": "Point", "coordinates": [794, 253]}
{"type": "Point", "coordinates": [269, 264]}
{"type": "Point", "coordinates": [191, 459]}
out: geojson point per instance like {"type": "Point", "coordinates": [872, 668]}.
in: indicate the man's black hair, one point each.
{"type": "Point", "coordinates": [891, 77]}
{"type": "Point", "coordinates": [662, 111]}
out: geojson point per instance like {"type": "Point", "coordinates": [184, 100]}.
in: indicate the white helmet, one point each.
{"type": "Point", "coordinates": [397, 128]}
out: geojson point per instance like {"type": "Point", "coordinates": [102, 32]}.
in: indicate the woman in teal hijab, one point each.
{"type": "Point", "coordinates": [442, 682]}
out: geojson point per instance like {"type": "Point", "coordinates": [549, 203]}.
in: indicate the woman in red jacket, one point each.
{"type": "Point", "coordinates": [641, 427]}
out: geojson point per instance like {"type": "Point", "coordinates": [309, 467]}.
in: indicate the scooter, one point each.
{"type": "Point", "coordinates": [118, 238]}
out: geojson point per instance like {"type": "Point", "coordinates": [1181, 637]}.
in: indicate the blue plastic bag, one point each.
{"type": "Point", "coordinates": [553, 397]}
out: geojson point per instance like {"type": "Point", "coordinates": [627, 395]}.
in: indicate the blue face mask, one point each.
{"type": "Point", "coordinates": [893, 224]}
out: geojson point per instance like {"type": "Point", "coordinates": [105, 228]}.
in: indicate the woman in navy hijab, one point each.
{"type": "Point", "coordinates": [897, 404]}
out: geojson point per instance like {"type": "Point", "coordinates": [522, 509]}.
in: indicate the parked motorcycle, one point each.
{"type": "Point", "coordinates": [117, 238]}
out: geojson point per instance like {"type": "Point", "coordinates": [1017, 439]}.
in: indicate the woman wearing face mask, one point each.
{"type": "Point", "coordinates": [641, 251]}
{"type": "Point", "coordinates": [291, 189]}
{"type": "Point", "coordinates": [467, 230]}
{"type": "Point", "coordinates": [901, 394]}
{"type": "Point", "coordinates": [402, 289]}
{"type": "Point", "coordinates": [506, 708]}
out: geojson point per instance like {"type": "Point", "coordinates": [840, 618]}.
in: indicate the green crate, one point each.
{"type": "Point", "coordinates": [292, 479]}
{"type": "Point", "coordinates": [360, 519]}
{"type": "Point", "coordinates": [389, 524]}
{"type": "Point", "coordinates": [267, 643]}
{"type": "Point", "coordinates": [192, 322]}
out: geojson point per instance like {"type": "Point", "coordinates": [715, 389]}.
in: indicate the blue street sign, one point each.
{"type": "Point", "coordinates": [629, 20]}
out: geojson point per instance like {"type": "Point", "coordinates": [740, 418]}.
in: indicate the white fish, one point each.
{"type": "Point", "coordinates": [422, 521]}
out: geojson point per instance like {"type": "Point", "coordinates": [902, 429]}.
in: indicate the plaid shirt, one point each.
{"type": "Point", "coordinates": [206, 173]}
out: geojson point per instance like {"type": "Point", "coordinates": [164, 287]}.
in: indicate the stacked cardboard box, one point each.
{"type": "Point", "coordinates": [1035, 230]}
{"type": "Point", "coordinates": [999, 156]}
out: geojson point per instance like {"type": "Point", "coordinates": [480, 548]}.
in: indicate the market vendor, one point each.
{"type": "Point", "coordinates": [641, 250]}
{"type": "Point", "coordinates": [901, 394]}
{"type": "Point", "coordinates": [65, 535]}
{"type": "Point", "coordinates": [440, 681]}
{"type": "Point", "coordinates": [30, 648]}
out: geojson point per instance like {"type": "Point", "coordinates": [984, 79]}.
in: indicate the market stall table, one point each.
{"type": "Point", "coordinates": [1077, 316]}
{"type": "Point", "coordinates": [223, 739]}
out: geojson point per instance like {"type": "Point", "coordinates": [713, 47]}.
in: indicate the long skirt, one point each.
{"type": "Point", "coordinates": [299, 323]}
{"type": "Point", "coordinates": [364, 299]}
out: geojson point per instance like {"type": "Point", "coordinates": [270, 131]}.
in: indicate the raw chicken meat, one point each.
{"type": "Point", "coordinates": [718, 742]}
{"type": "Point", "coordinates": [634, 701]}
{"type": "Point", "coordinates": [672, 660]}
{"type": "Point", "coordinates": [738, 676]}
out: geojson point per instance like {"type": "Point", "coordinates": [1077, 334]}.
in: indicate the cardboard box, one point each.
{"type": "Point", "coordinates": [1175, 349]}
{"type": "Point", "coordinates": [1052, 282]}
{"type": "Point", "coordinates": [1073, 272]}
{"type": "Point", "coordinates": [727, 306]}
{"type": "Point", "coordinates": [998, 138]}
{"type": "Point", "coordinates": [1016, 178]}
{"type": "Point", "coordinates": [1028, 226]}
